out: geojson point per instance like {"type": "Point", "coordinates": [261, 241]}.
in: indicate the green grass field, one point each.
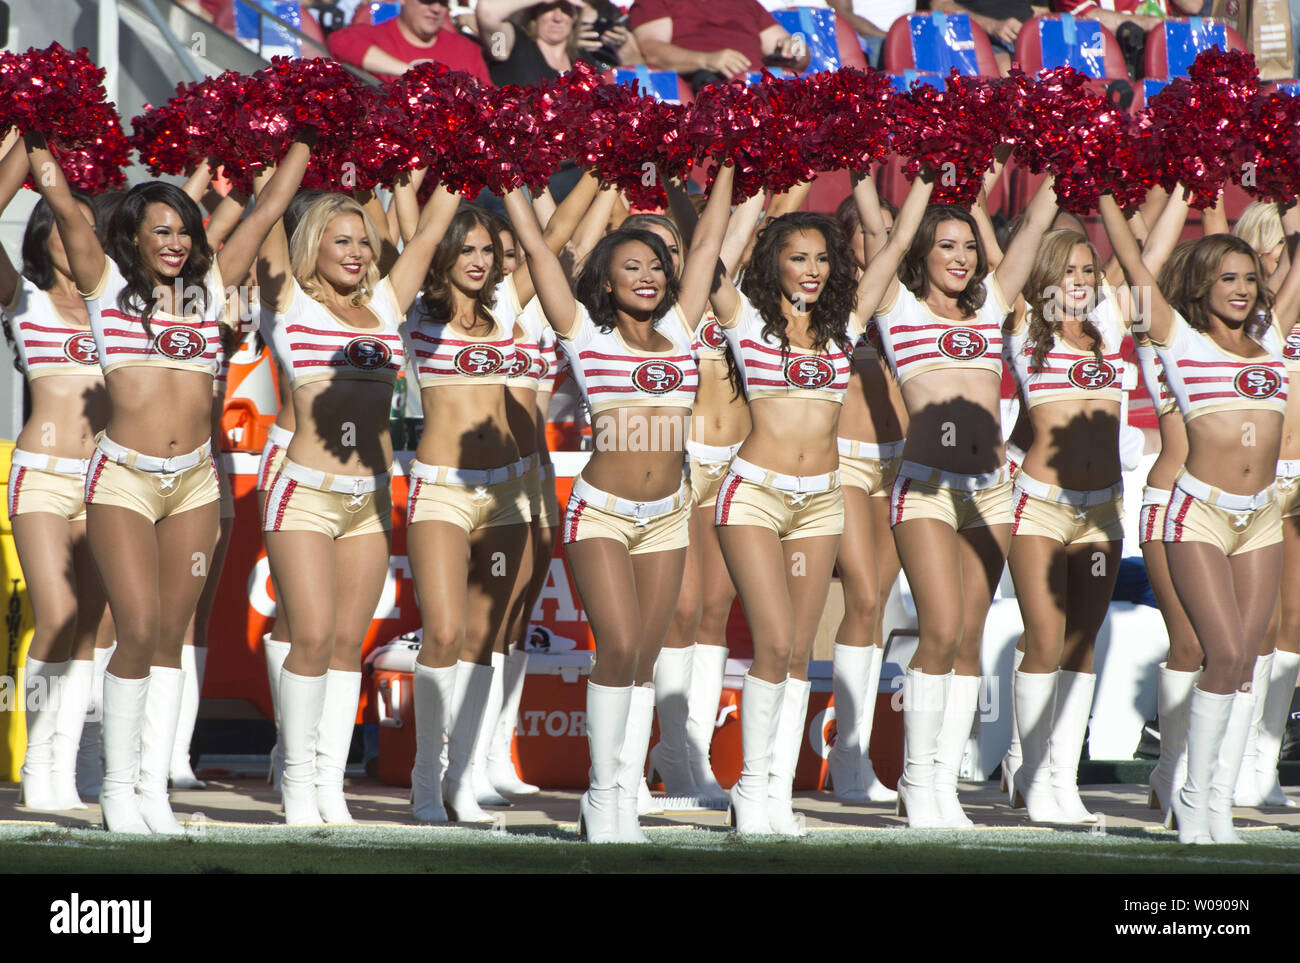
{"type": "Point", "coordinates": [383, 849]}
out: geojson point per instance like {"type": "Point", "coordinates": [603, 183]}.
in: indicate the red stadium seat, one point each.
{"type": "Point", "coordinates": [1059, 40]}
{"type": "Point", "coordinates": [1174, 44]}
{"type": "Point", "coordinates": [935, 43]}
{"type": "Point", "coordinates": [840, 50]}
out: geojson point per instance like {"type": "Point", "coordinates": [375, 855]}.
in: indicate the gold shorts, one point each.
{"type": "Point", "coordinates": [152, 487]}
{"type": "Point", "coordinates": [792, 506]}
{"type": "Point", "coordinates": [642, 527]}
{"type": "Point", "coordinates": [959, 501]}
{"type": "Point", "coordinates": [1288, 487]}
{"type": "Point", "coordinates": [1151, 518]}
{"type": "Point", "coordinates": [274, 453]}
{"type": "Point", "coordinates": [227, 492]}
{"type": "Point", "coordinates": [872, 468]}
{"type": "Point", "coordinates": [1236, 524]}
{"type": "Point", "coordinates": [708, 466]}
{"type": "Point", "coordinates": [543, 504]}
{"type": "Point", "coordinates": [1065, 515]}
{"type": "Point", "coordinates": [340, 506]}
{"type": "Point", "coordinates": [468, 499]}
{"type": "Point", "coordinates": [43, 483]}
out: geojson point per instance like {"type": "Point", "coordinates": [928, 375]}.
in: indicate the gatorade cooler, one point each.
{"type": "Point", "coordinates": [19, 625]}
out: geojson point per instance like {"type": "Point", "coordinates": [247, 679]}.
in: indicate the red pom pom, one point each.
{"type": "Point", "coordinates": [854, 107]}
{"type": "Point", "coordinates": [734, 122]}
{"type": "Point", "coordinates": [161, 135]}
{"type": "Point", "coordinates": [53, 91]}
{"type": "Point", "coordinates": [436, 106]}
{"type": "Point", "coordinates": [1267, 163]}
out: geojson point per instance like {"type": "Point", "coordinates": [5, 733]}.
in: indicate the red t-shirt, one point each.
{"type": "Point", "coordinates": [709, 25]}
{"type": "Point", "coordinates": [1082, 7]}
{"type": "Point", "coordinates": [351, 43]}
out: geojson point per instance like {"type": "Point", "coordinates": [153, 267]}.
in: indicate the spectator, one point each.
{"type": "Point", "coordinates": [709, 40]}
{"type": "Point", "coordinates": [1000, 19]}
{"type": "Point", "coordinates": [872, 20]}
{"type": "Point", "coordinates": [421, 32]}
{"type": "Point", "coordinates": [527, 41]}
{"type": "Point", "coordinates": [1112, 14]}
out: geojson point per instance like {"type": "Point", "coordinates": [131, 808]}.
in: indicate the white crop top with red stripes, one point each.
{"type": "Point", "coordinates": [313, 345]}
{"type": "Point", "coordinates": [1069, 373]}
{"type": "Point", "coordinates": [916, 339]}
{"type": "Point", "coordinates": [443, 355]}
{"type": "Point", "coordinates": [191, 343]}
{"type": "Point", "coordinates": [1153, 376]}
{"type": "Point", "coordinates": [612, 374]}
{"type": "Point", "coordinates": [1291, 349]}
{"type": "Point", "coordinates": [867, 347]}
{"type": "Point", "coordinates": [709, 342]}
{"type": "Point", "coordinates": [1204, 378]}
{"type": "Point", "coordinates": [548, 359]}
{"type": "Point", "coordinates": [529, 366]}
{"type": "Point", "coordinates": [46, 344]}
{"type": "Point", "coordinates": [769, 371]}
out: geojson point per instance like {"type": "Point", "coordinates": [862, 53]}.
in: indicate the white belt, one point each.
{"type": "Point", "coordinates": [1288, 468]}
{"type": "Point", "coordinates": [715, 454]}
{"type": "Point", "coordinates": [344, 484]}
{"type": "Point", "coordinates": [1156, 496]}
{"type": "Point", "coordinates": [641, 511]}
{"type": "Point", "coordinates": [1015, 454]}
{"type": "Point", "coordinates": [797, 484]}
{"type": "Point", "coordinates": [60, 466]}
{"type": "Point", "coordinates": [949, 479]}
{"type": "Point", "coordinates": [529, 462]}
{"type": "Point", "coordinates": [1226, 500]}
{"type": "Point", "coordinates": [469, 478]}
{"type": "Point", "coordinates": [172, 465]}
{"type": "Point", "coordinates": [864, 449]}
{"type": "Point", "coordinates": [279, 437]}
{"type": "Point", "coordinates": [1068, 496]}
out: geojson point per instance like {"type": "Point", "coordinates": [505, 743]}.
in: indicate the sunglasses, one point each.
{"type": "Point", "coordinates": [441, 3]}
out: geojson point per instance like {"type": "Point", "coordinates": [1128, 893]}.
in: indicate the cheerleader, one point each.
{"type": "Point", "coordinates": [156, 304]}
{"type": "Point", "coordinates": [46, 322]}
{"type": "Point", "coordinates": [1222, 527]}
{"type": "Point", "coordinates": [872, 426]}
{"type": "Point", "coordinates": [951, 503]}
{"type": "Point", "coordinates": [625, 527]}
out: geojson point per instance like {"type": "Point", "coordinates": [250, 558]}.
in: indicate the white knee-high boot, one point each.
{"type": "Point", "coordinates": [876, 790]}
{"type": "Point", "coordinates": [41, 683]}
{"type": "Point", "coordinates": [1035, 703]}
{"type": "Point", "coordinates": [1277, 709]}
{"type": "Point", "coordinates": [1207, 723]}
{"type": "Point", "coordinates": [785, 758]}
{"type": "Point", "coordinates": [607, 714]}
{"type": "Point", "coordinates": [501, 764]}
{"type": "Point", "coordinates": [958, 717]}
{"type": "Point", "coordinates": [631, 762]}
{"type": "Point", "coordinates": [924, 698]}
{"type": "Point", "coordinates": [69, 719]}
{"type": "Point", "coordinates": [670, 757]}
{"type": "Point", "coordinates": [760, 713]}
{"type": "Point", "coordinates": [90, 751]}
{"type": "Point", "coordinates": [1247, 791]}
{"type": "Point", "coordinates": [194, 662]}
{"type": "Point", "coordinates": [1175, 704]}
{"type": "Point", "coordinates": [1227, 765]}
{"type": "Point", "coordinates": [124, 704]}
{"type": "Point", "coordinates": [484, 791]}
{"type": "Point", "coordinates": [157, 737]}
{"type": "Point", "coordinates": [708, 669]}
{"type": "Point", "coordinates": [850, 678]}
{"type": "Point", "coordinates": [473, 687]}
{"type": "Point", "coordinates": [1074, 692]}
{"type": "Point", "coordinates": [302, 704]}
{"type": "Point", "coordinates": [333, 741]}
{"type": "Point", "coordinates": [276, 652]}
{"type": "Point", "coordinates": [1011, 761]}
{"type": "Point", "coordinates": [434, 690]}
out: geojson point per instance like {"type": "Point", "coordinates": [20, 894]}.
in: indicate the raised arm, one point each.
{"type": "Point", "coordinates": [196, 185]}
{"type": "Point", "coordinates": [564, 220]}
{"type": "Point", "coordinates": [13, 171]}
{"type": "Point", "coordinates": [407, 203]}
{"type": "Point", "coordinates": [879, 282]}
{"type": "Point", "coordinates": [681, 210]}
{"type": "Point", "coordinates": [590, 230]}
{"type": "Point", "coordinates": [702, 260]}
{"type": "Point", "coordinates": [412, 265]}
{"type": "Point", "coordinates": [1160, 316]}
{"type": "Point", "coordinates": [374, 208]}
{"type": "Point", "coordinates": [1286, 306]}
{"type": "Point", "coordinates": [496, 32]}
{"type": "Point", "coordinates": [544, 267]}
{"type": "Point", "coordinates": [1214, 220]}
{"type": "Point", "coordinates": [1011, 275]}
{"type": "Point", "coordinates": [224, 218]}
{"type": "Point", "coordinates": [739, 242]}
{"type": "Point", "coordinates": [237, 255]}
{"type": "Point", "coordinates": [1161, 239]}
{"type": "Point", "coordinates": [85, 256]}
{"type": "Point", "coordinates": [988, 236]}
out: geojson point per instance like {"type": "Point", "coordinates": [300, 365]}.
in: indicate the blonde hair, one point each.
{"type": "Point", "coordinates": [1045, 316]}
{"type": "Point", "coordinates": [304, 247]}
{"type": "Point", "coordinates": [1260, 226]}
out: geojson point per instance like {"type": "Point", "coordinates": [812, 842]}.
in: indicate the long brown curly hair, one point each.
{"type": "Point", "coordinates": [1190, 273]}
{"type": "Point", "coordinates": [912, 274]}
{"type": "Point", "coordinates": [1044, 314]}
{"type": "Point", "coordinates": [437, 297]}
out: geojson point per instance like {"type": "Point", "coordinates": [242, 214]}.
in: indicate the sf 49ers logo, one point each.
{"type": "Point", "coordinates": [1291, 349]}
{"type": "Point", "coordinates": [480, 359]}
{"type": "Point", "coordinates": [1257, 381]}
{"type": "Point", "coordinates": [367, 353]}
{"type": "Point", "coordinates": [809, 372]}
{"type": "Point", "coordinates": [712, 337]}
{"type": "Point", "coordinates": [82, 349]}
{"type": "Point", "coordinates": [1092, 374]}
{"type": "Point", "coordinates": [963, 343]}
{"type": "Point", "coordinates": [518, 365]}
{"type": "Point", "coordinates": [543, 367]}
{"type": "Point", "coordinates": [180, 343]}
{"type": "Point", "coordinates": [872, 335]}
{"type": "Point", "coordinates": [657, 377]}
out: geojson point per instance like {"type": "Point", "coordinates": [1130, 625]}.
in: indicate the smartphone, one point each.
{"type": "Point", "coordinates": [604, 23]}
